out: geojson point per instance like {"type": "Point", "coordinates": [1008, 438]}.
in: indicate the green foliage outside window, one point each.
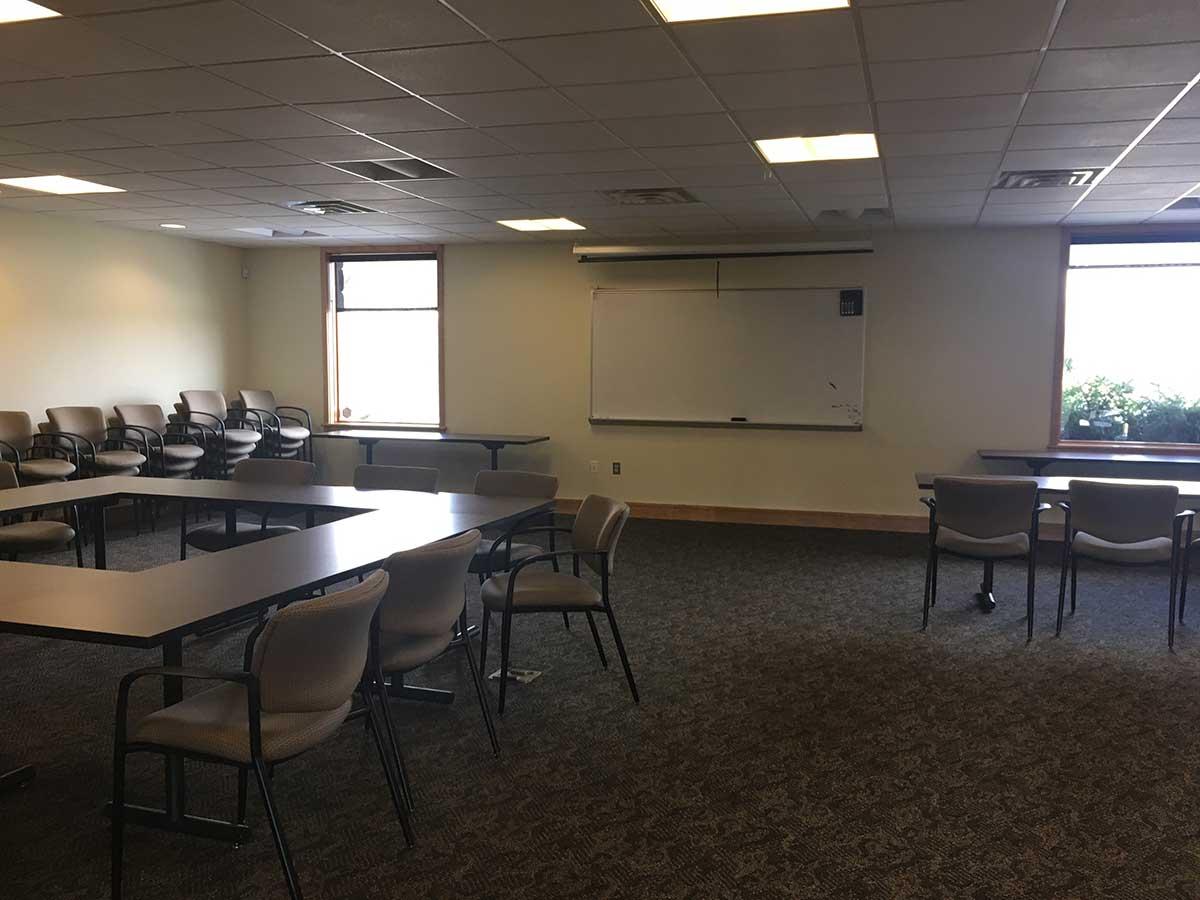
{"type": "Point", "coordinates": [1102, 409]}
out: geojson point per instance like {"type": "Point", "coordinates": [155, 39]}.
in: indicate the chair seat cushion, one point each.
{"type": "Point", "coordinates": [294, 432]}
{"type": "Point", "coordinates": [35, 537]}
{"type": "Point", "coordinates": [540, 590]}
{"type": "Point", "coordinates": [405, 652]}
{"type": "Point", "coordinates": [242, 436]}
{"type": "Point", "coordinates": [46, 470]}
{"type": "Point", "coordinates": [518, 552]}
{"type": "Point", "coordinates": [1151, 551]}
{"type": "Point", "coordinates": [213, 537]}
{"type": "Point", "coordinates": [216, 723]}
{"type": "Point", "coordinates": [982, 548]}
{"type": "Point", "coordinates": [182, 453]}
{"type": "Point", "coordinates": [110, 460]}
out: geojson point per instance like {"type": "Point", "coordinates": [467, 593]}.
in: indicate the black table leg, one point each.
{"type": "Point", "coordinates": [369, 446]}
{"type": "Point", "coordinates": [99, 535]}
{"type": "Point", "coordinates": [230, 524]}
{"type": "Point", "coordinates": [494, 449]}
{"type": "Point", "coordinates": [310, 517]}
{"type": "Point", "coordinates": [15, 779]}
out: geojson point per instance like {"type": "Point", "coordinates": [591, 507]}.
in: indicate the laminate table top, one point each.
{"type": "Point", "coordinates": [1060, 484]}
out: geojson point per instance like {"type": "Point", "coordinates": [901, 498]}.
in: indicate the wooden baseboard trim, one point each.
{"type": "Point", "coordinates": [797, 518]}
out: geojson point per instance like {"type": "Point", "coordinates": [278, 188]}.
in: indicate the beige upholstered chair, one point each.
{"type": "Point", "coordinates": [37, 458]}
{"type": "Point", "coordinates": [214, 537]}
{"type": "Point", "coordinates": [984, 520]}
{"type": "Point", "coordinates": [490, 483]}
{"type": "Point", "coordinates": [176, 449]}
{"type": "Point", "coordinates": [1124, 525]}
{"type": "Point", "coordinates": [594, 536]}
{"type": "Point", "coordinates": [419, 617]}
{"type": "Point", "coordinates": [101, 449]}
{"type": "Point", "coordinates": [396, 478]}
{"type": "Point", "coordinates": [233, 435]}
{"type": "Point", "coordinates": [288, 435]}
{"type": "Point", "coordinates": [42, 536]}
{"type": "Point", "coordinates": [302, 670]}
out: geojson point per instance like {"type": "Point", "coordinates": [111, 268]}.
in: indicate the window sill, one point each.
{"type": "Point", "coordinates": [1140, 447]}
{"type": "Point", "coordinates": [381, 426]}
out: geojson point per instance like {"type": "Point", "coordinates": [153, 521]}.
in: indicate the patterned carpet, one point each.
{"type": "Point", "coordinates": [798, 737]}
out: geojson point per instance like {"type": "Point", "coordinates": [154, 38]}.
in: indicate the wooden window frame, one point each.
{"type": "Point", "coordinates": [333, 418]}
{"type": "Point", "coordinates": [1148, 448]}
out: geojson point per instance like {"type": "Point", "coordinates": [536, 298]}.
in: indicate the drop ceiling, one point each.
{"type": "Point", "coordinates": [217, 115]}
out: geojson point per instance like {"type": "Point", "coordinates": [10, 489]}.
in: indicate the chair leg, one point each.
{"type": "Point", "coordinates": [1183, 581]}
{"type": "Point", "coordinates": [478, 682]}
{"type": "Point", "coordinates": [78, 536]}
{"type": "Point", "coordinates": [118, 819]}
{"type": "Point", "coordinates": [1062, 583]}
{"type": "Point", "coordinates": [183, 529]}
{"type": "Point", "coordinates": [1074, 579]}
{"type": "Point", "coordinates": [566, 619]}
{"type": "Point", "coordinates": [505, 634]}
{"type": "Point", "coordinates": [484, 621]}
{"type": "Point", "coordinates": [401, 769]}
{"type": "Point", "coordinates": [933, 584]}
{"type": "Point", "coordinates": [929, 563]}
{"type": "Point", "coordinates": [399, 800]}
{"type": "Point", "coordinates": [285, 858]}
{"type": "Point", "coordinates": [1030, 590]}
{"type": "Point", "coordinates": [242, 790]}
{"type": "Point", "coordinates": [612, 623]}
{"type": "Point", "coordinates": [596, 637]}
{"type": "Point", "coordinates": [1171, 603]}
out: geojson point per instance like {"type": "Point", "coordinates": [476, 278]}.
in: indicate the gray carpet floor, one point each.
{"type": "Point", "coordinates": [798, 737]}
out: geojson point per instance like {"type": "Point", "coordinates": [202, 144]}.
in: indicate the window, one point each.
{"type": "Point", "coordinates": [384, 340]}
{"type": "Point", "coordinates": [1131, 314]}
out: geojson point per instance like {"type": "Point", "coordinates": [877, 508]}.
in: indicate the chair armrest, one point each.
{"type": "Point", "coordinates": [205, 431]}
{"type": "Point", "coordinates": [929, 502]}
{"type": "Point", "coordinates": [300, 409]}
{"type": "Point", "coordinates": [81, 445]}
{"type": "Point", "coordinates": [251, 638]}
{"type": "Point", "coordinates": [263, 414]}
{"type": "Point", "coordinates": [143, 447]}
{"type": "Point", "coordinates": [1043, 507]}
{"type": "Point", "coordinates": [240, 417]}
{"type": "Point", "coordinates": [575, 555]}
{"type": "Point", "coordinates": [1064, 505]}
{"type": "Point", "coordinates": [248, 679]}
{"type": "Point", "coordinates": [16, 454]}
{"type": "Point", "coordinates": [218, 428]}
{"type": "Point", "coordinates": [505, 540]}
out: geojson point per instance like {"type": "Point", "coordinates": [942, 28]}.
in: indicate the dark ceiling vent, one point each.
{"type": "Point", "coordinates": [329, 207]}
{"type": "Point", "coordinates": [393, 169]}
{"type": "Point", "coordinates": [872, 215]}
{"type": "Point", "coordinates": [1046, 178]}
{"type": "Point", "coordinates": [649, 196]}
{"type": "Point", "coordinates": [1188, 203]}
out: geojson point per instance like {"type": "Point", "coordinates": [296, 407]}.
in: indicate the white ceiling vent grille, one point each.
{"type": "Point", "coordinates": [281, 233]}
{"type": "Point", "coordinates": [1046, 178]}
{"type": "Point", "coordinates": [649, 196]}
{"type": "Point", "coordinates": [328, 207]}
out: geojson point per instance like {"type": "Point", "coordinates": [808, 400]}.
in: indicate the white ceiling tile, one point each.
{"type": "Point", "coordinates": [615, 181]}
{"type": "Point", "coordinates": [240, 153]}
{"type": "Point", "coordinates": [280, 194]}
{"type": "Point", "coordinates": [64, 98]}
{"type": "Point", "coordinates": [440, 217]}
{"type": "Point", "coordinates": [463, 68]}
{"type": "Point", "coordinates": [1081, 217]}
{"type": "Point", "coordinates": [198, 197]}
{"type": "Point", "coordinates": [404, 204]}
{"type": "Point", "coordinates": [43, 203]}
{"type": "Point", "coordinates": [252, 210]}
{"type": "Point", "coordinates": [1126, 174]}
{"type": "Point", "coordinates": [949, 114]}
{"type": "Point", "coordinates": [524, 107]}
{"type": "Point", "coordinates": [936, 216]}
{"type": "Point", "coordinates": [944, 164]}
{"type": "Point", "coordinates": [925, 184]}
{"type": "Point", "coordinates": [1116, 67]}
{"type": "Point", "coordinates": [308, 173]}
{"type": "Point", "coordinates": [531, 184]}
{"type": "Point", "coordinates": [116, 215]}
{"type": "Point", "coordinates": [203, 33]}
{"type": "Point", "coordinates": [763, 43]}
{"type": "Point", "coordinates": [1175, 131]}
{"type": "Point", "coordinates": [960, 200]}
{"type": "Point", "coordinates": [681, 96]}
{"type": "Point", "coordinates": [221, 178]}
{"type": "Point", "coordinates": [671, 131]}
{"type": "Point", "coordinates": [533, 18]}
{"type": "Point", "coordinates": [798, 87]}
{"type": "Point", "coordinates": [63, 136]}
{"type": "Point", "coordinates": [169, 90]}
{"type": "Point", "coordinates": [70, 47]}
{"type": "Point", "coordinates": [1046, 137]}
{"type": "Point", "coordinates": [138, 181]}
{"type": "Point", "coordinates": [67, 164]}
{"type": "Point", "coordinates": [817, 203]}
{"type": "Point", "coordinates": [447, 187]}
{"type": "Point", "coordinates": [743, 197]}
{"type": "Point", "coordinates": [8, 147]}
{"type": "Point", "coordinates": [357, 190]}
{"type": "Point", "coordinates": [160, 128]}
{"type": "Point", "coordinates": [643, 54]}
{"type": "Point", "coordinates": [1008, 73]}
{"type": "Point", "coordinates": [1110, 190]}
{"type": "Point", "coordinates": [493, 201]}
{"type": "Point", "coordinates": [268, 122]}
{"type": "Point", "coordinates": [146, 159]}
{"type": "Point", "coordinates": [349, 25]}
{"type": "Point", "coordinates": [372, 116]}
{"type": "Point", "coordinates": [805, 121]}
{"type": "Point", "coordinates": [1163, 155]}
{"type": "Point", "coordinates": [561, 137]}
{"type": "Point", "coordinates": [326, 79]}
{"type": "Point", "coordinates": [590, 161]}
{"type": "Point", "coordinates": [1188, 107]}
{"type": "Point", "coordinates": [1018, 160]}
{"type": "Point", "coordinates": [1110, 105]}
{"type": "Point", "coordinates": [133, 200]}
{"type": "Point", "coordinates": [1114, 23]}
{"type": "Point", "coordinates": [563, 202]}
{"type": "Point", "coordinates": [490, 166]}
{"type": "Point", "coordinates": [962, 28]}
{"type": "Point", "coordinates": [927, 143]}
{"type": "Point", "coordinates": [734, 154]}
{"type": "Point", "coordinates": [334, 149]}
{"type": "Point", "coordinates": [1023, 197]}
{"type": "Point", "coordinates": [1144, 205]}
{"type": "Point", "coordinates": [453, 143]}
{"type": "Point", "coordinates": [830, 171]}
{"type": "Point", "coordinates": [1177, 215]}
{"type": "Point", "coordinates": [14, 71]}
{"type": "Point", "coordinates": [717, 176]}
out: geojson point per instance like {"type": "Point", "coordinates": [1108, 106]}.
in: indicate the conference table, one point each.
{"type": "Point", "coordinates": [369, 437]}
{"type": "Point", "coordinates": [1059, 485]}
{"type": "Point", "coordinates": [159, 607]}
{"type": "Point", "coordinates": [1038, 460]}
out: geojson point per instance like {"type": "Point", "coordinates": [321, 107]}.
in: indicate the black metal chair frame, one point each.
{"type": "Point", "coordinates": [272, 435]}
{"type": "Point", "coordinates": [235, 417]}
{"type": "Point", "coordinates": [506, 617]}
{"type": "Point", "coordinates": [36, 447]}
{"type": "Point", "coordinates": [1182, 521]}
{"type": "Point", "coordinates": [989, 564]}
{"type": "Point", "coordinates": [155, 443]}
{"type": "Point", "coordinates": [263, 771]}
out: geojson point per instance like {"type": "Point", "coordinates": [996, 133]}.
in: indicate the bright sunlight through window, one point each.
{"type": "Point", "coordinates": [387, 339]}
{"type": "Point", "coordinates": [1128, 371]}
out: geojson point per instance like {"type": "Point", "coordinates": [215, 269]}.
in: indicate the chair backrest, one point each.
{"type": "Point", "coordinates": [258, 400]}
{"type": "Point", "coordinates": [87, 421]}
{"type": "Point", "coordinates": [311, 655]}
{"type": "Point", "coordinates": [16, 428]}
{"type": "Point", "coordinates": [597, 528]}
{"type": "Point", "coordinates": [8, 476]}
{"type": "Point", "coordinates": [426, 592]}
{"type": "Point", "coordinates": [489, 483]}
{"type": "Point", "coordinates": [396, 478]}
{"type": "Point", "coordinates": [275, 471]}
{"type": "Point", "coordinates": [983, 508]}
{"type": "Point", "coordinates": [210, 402]}
{"type": "Point", "coordinates": [144, 415]}
{"type": "Point", "coordinates": [1123, 513]}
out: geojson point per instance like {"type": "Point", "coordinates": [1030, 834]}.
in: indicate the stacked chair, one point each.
{"type": "Point", "coordinates": [233, 435]}
{"type": "Point", "coordinates": [36, 458]}
{"type": "Point", "coordinates": [175, 449]}
{"type": "Point", "coordinates": [214, 537]}
{"type": "Point", "coordinates": [285, 434]}
{"type": "Point", "coordinates": [99, 449]}
{"type": "Point", "coordinates": [42, 536]}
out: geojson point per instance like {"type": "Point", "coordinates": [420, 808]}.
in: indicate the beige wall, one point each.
{"type": "Point", "coordinates": [960, 350]}
{"type": "Point", "coordinates": [93, 315]}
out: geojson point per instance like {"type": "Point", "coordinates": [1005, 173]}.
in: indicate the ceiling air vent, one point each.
{"type": "Point", "coordinates": [873, 215]}
{"type": "Point", "coordinates": [393, 169]}
{"type": "Point", "coordinates": [1189, 203]}
{"type": "Point", "coordinates": [649, 196]}
{"type": "Point", "coordinates": [281, 233]}
{"type": "Point", "coordinates": [1046, 178]}
{"type": "Point", "coordinates": [328, 207]}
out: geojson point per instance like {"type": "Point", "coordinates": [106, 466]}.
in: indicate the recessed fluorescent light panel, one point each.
{"type": "Point", "coordinates": [692, 10]}
{"type": "Point", "coordinates": [24, 11]}
{"type": "Point", "coordinates": [541, 225]}
{"type": "Point", "coordinates": [171, 225]}
{"type": "Point", "coordinates": [816, 149]}
{"type": "Point", "coordinates": [60, 184]}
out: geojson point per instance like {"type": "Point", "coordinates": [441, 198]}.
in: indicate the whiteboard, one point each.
{"type": "Point", "coordinates": [782, 358]}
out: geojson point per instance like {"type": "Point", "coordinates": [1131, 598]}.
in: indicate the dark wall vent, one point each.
{"type": "Point", "coordinates": [1046, 178]}
{"type": "Point", "coordinates": [649, 196]}
{"type": "Point", "coordinates": [393, 169]}
{"type": "Point", "coordinates": [329, 207]}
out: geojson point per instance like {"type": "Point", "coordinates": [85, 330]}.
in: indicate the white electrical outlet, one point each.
{"type": "Point", "coordinates": [594, 466]}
